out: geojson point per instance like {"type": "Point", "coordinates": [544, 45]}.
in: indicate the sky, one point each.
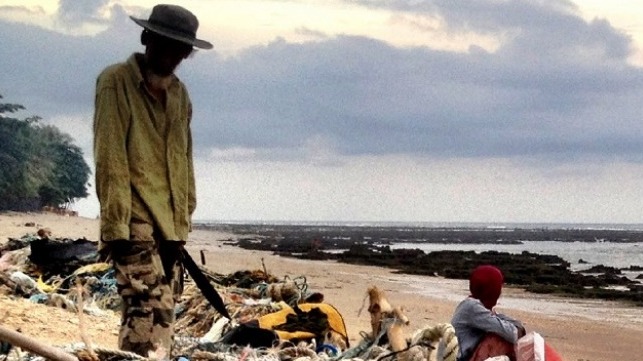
{"type": "Point", "coordinates": [372, 111]}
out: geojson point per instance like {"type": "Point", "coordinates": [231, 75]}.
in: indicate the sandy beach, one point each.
{"type": "Point", "coordinates": [580, 330]}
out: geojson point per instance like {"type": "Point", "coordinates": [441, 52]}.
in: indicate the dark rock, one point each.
{"type": "Point", "coordinates": [371, 246]}
{"type": "Point", "coordinates": [603, 269]}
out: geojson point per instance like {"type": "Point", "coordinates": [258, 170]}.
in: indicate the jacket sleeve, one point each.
{"type": "Point", "coordinates": [191, 179]}
{"type": "Point", "coordinates": [111, 125]}
{"type": "Point", "coordinates": [482, 318]}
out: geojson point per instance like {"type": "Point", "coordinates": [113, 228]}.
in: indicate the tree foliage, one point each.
{"type": "Point", "coordinates": [39, 164]}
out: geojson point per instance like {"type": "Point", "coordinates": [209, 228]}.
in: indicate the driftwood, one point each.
{"type": "Point", "coordinates": [35, 346]}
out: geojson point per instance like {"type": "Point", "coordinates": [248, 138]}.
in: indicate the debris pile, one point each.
{"type": "Point", "coordinates": [271, 319]}
{"type": "Point", "coordinates": [48, 271]}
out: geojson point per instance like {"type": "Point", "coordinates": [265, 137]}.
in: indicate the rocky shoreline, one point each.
{"type": "Point", "coordinates": [537, 273]}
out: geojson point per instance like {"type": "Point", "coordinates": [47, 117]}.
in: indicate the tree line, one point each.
{"type": "Point", "coordinates": [39, 164]}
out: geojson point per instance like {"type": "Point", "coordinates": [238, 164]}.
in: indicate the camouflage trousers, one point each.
{"type": "Point", "coordinates": [149, 277]}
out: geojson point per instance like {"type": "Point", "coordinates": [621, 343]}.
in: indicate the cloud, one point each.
{"type": "Point", "coordinates": [557, 88]}
{"type": "Point", "coordinates": [310, 33]}
{"type": "Point", "coordinates": [528, 28]}
{"type": "Point", "coordinates": [20, 11]}
{"type": "Point", "coordinates": [32, 14]}
{"type": "Point", "coordinates": [74, 12]}
{"type": "Point", "coordinates": [54, 73]}
{"type": "Point", "coordinates": [371, 98]}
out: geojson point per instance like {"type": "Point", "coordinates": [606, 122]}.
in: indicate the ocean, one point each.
{"type": "Point", "coordinates": [619, 255]}
{"type": "Point", "coordinates": [580, 255]}
{"type": "Point", "coordinates": [453, 225]}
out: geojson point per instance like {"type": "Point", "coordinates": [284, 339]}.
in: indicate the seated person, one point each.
{"type": "Point", "coordinates": [482, 333]}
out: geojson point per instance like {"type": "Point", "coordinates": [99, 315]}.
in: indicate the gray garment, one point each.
{"type": "Point", "coordinates": [472, 321]}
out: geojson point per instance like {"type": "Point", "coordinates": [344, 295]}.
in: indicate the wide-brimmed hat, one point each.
{"type": "Point", "coordinates": [174, 22]}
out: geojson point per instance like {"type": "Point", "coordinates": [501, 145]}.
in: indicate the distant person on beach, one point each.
{"type": "Point", "coordinates": [145, 176]}
{"type": "Point", "coordinates": [482, 333]}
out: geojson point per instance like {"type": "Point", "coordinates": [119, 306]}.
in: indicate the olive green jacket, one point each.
{"type": "Point", "coordinates": [143, 155]}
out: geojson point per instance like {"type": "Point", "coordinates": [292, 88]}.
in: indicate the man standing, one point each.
{"type": "Point", "coordinates": [145, 176]}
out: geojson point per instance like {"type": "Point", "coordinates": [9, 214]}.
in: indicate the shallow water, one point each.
{"type": "Point", "coordinates": [619, 255]}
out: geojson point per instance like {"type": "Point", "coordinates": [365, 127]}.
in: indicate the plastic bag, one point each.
{"type": "Point", "coordinates": [530, 347]}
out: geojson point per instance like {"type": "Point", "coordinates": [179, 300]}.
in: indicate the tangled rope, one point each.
{"type": "Point", "coordinates": [444, 333]}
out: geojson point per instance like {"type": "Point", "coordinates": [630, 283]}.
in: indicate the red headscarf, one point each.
{"type": "Point", "coordinates": [485, 284]}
